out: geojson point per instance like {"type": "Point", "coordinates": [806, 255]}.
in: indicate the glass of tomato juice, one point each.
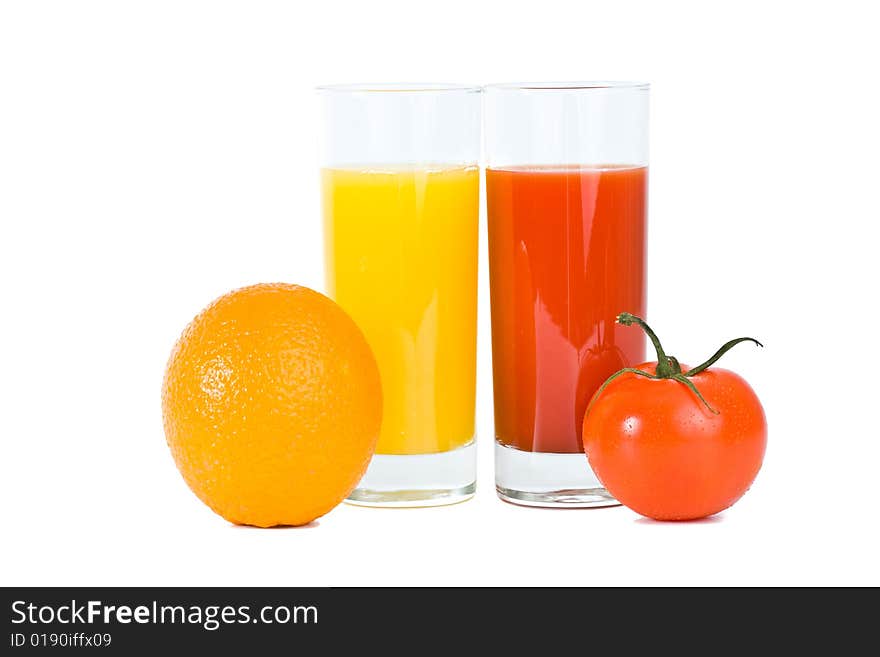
{"type": "Point", "coordinates": [566, 186]}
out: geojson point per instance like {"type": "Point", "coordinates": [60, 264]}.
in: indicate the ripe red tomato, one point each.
{"type": "Point", "coordinates": [673, 443]}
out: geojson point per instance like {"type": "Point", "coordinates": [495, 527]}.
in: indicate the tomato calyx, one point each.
{"type": "Point", "coordinates": [668, 367]}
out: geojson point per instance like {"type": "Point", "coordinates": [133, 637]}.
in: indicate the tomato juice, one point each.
{"type": "Point", "coordinates": [566, 256]}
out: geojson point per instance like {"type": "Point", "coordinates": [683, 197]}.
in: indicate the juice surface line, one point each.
{"type": "Point", "coordinates": [401, 259]}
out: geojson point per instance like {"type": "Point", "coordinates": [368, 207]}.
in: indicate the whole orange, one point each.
{"type": "Point", "coordinates": [272, 405]}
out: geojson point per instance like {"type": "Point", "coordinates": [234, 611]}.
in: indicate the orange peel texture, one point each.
{"type": "Point", "coordinates": [272, 405]}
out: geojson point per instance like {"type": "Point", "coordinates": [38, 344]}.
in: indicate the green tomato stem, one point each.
{"type": "Point", "coordinates": [631, 370]}
{"type": "Point", "coordinates": [668, 367]}
{"type": "Point", "coordinates": [727, 346]}
{"type": "Point", "coordinates": [690, 384]}
{"type": "Point", "coordinates": [665, 369]}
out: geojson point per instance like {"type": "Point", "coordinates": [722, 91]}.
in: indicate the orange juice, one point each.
{"type": "Point", "coordinates": [401, 259]}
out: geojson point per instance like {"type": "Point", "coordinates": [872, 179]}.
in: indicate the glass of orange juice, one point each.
{"type": "Point", "coordinates": [400, 186]}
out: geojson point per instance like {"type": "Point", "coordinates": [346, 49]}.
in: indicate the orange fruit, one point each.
{"type": "Point", "coordinates": [272, 405]}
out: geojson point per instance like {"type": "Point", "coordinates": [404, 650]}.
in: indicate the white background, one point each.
{"type": "Point", "coordinates": [154, 155]}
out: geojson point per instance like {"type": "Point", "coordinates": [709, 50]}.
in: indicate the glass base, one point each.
{"type": "Point", "coordinates": [406, 480]}
{"type": "Point", "coordinates": [547, 480]}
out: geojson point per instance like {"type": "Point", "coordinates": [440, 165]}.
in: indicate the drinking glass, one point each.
{"type": "Point", "coordinates": [566, 187]}
{"type": "Point", "coordinates": [400, 183]}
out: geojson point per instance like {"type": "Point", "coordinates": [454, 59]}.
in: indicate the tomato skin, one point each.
{"type": "Point", "coordinates": [657, 448]}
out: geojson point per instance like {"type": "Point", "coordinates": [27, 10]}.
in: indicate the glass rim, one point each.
{"type": "Point", "coordinates": [596, 85]}
{"type": "Point", "coordinates": [399, 87]}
